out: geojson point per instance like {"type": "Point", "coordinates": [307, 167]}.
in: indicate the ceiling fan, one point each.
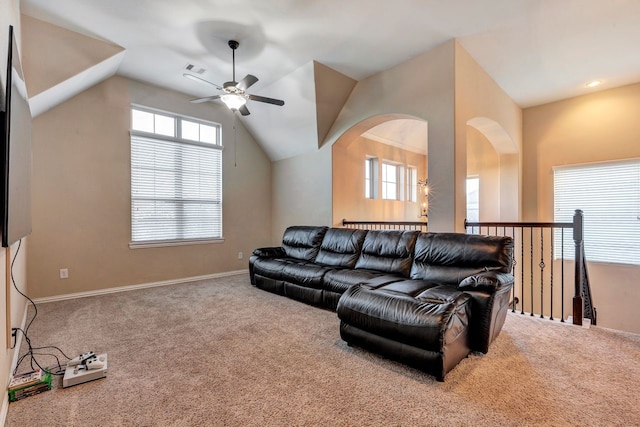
{"type": "Point", "coordinates": [235, 96]}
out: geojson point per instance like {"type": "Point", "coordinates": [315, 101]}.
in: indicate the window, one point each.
{"type": "Point", "coordinates": [412, 184]}
{"type": "Point", "coordinates": [473, 199]}
{"type": "Point", "coordinates": [370, 169]}
{"type": "Point", "coordinates": [390, 181]}
{"type": "Point", "coordinates": [609, 195]}
{"type": "Point", "coordinates": [176, 179]}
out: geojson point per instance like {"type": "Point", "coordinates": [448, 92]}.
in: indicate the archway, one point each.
{"type": "Point", "coordinates": [376, 166]}
{"type": "Point", "coordinates": [493, 160]}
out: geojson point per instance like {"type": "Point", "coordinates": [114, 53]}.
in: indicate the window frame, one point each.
{"type": "Point", "coordinates": [179, 141]}
{"type": "Point", "coordinates": [371, 181]}
{"type": "Point", "coordinates": [398, 183]}
{"type": "Point", "coordinates": [412, 183]}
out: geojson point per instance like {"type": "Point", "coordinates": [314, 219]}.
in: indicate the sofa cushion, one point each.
{"type": "Point", "coordinates": [407, 287]}
{"type": "Point", "coordinates": [305, 274]}
{"type": "Point", "coordinates": [341, 247]}
{"type": "Point", "coordinates": [451, 257]}
{"type": "Point", "coordinates": [389, 251]}
{"type": "Point", "coordinates": [271, 267]}
{"type": "Point", "coordinates": [303, 242]}
{"type": "Point", "coordinates": [342, 279]}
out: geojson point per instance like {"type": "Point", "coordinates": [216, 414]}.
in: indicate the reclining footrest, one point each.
{"type": "Point", "coordinates": [426, 328]}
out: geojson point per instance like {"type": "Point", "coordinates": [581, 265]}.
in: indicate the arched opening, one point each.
{"type": "Point", "coordinates": [492, 172]}
{"type": "Point", "coordinates": [378, 167]}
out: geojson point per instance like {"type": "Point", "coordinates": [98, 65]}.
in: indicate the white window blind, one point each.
{"type": "Point", "coordinates": [609, 195]}
{"type": "Point", "coordinates": [176, 187]}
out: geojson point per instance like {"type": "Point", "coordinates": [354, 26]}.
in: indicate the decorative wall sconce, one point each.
{"type": "Point", "coordinates": [423, 186]}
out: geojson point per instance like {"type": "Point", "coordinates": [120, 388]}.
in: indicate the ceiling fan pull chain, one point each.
{"type": "Point", "coordinates": [235, 163]}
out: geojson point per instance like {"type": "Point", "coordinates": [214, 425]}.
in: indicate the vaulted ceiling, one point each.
{"type": "Point", "coordinates": [536, 50]}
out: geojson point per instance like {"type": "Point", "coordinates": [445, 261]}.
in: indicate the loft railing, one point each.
{"type": "Point", "coordinates": [385, 225]}
{"type": "Point", "coordinates": [538, 288]}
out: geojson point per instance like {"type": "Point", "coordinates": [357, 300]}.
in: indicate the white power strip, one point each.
{"type": "Point", "coordinates": [75, 375]}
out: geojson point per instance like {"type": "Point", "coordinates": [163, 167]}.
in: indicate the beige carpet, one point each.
{"type": "Point", "coordinates": [223, 353]}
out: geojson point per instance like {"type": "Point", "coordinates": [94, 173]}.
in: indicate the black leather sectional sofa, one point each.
{"type": "Point", "coordinates": [426, 299]}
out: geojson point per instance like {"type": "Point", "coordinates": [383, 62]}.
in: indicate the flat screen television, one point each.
{"type": "Point", "coordinates": [15, 137]}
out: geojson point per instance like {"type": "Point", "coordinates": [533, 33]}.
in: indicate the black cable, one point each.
{"type": "Point", "coordinates": [31, 350]}
{"type": "Point", "coordinates": [59, 368]}
{"type": "Point", "coordinates": [13, 280]}
{"type": "Point", "coordinates": [55, 348]}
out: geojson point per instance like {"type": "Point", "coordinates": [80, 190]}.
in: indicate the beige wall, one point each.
{"type": "Point", "coordinates": [332, 90]}
{"type": "Point", "coordinates": [12, 304]}
{"type": "Point", "coordinates": [81, 195]}
{"type": "Point", "coordinates": [477, 96]}
{"type": "Point", "coordinates": [447, 88]}
{"type": "Point", "coordinates": [348, 182]}
{"type": "Point", "coordinates": [591, 128]}
{"type": "Point", "coordinates": [301, 191]}
{"type": "Point", "coordinates": [598, 127]}
{"type": "Point", "coordinates": [420, 88]}
{"type": "Point", "coordinates": [484, 162]}
{"type": "Point", "coordinates": [66, 53]}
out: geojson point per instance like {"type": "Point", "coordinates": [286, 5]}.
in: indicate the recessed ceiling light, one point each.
{"type": "Point", "coordinates": [594, 83]}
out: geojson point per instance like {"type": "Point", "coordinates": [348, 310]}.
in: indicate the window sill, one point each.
{"type": "Point", "coordinates": [143, 245]}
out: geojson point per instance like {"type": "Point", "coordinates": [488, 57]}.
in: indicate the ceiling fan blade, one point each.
{"type": "Point", "coordinates": [196, 78]}
{"type": "Point", "coordinates": [267, 100]}
{"type": "Point", "coordinates": [247, 82]}
{"type": "Point", "coordinates": [244, 110]}
{"type": "Point", "coordinates": [205, 99]}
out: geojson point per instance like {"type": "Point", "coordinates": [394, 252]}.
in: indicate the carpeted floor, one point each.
{"type": "Point", "coordinates": [223, 353]}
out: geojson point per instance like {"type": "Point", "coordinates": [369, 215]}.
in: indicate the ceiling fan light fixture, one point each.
{"type": "Point", "coordinates": [234, 96]}
{"type": "Point", "coordinates": [233, 101]}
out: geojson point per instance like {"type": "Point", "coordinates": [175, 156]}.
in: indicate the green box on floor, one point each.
{"type": "Point", "coordinates": [29, 388]}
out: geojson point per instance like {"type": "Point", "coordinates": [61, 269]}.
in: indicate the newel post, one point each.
{"type": "Point", "coordinates": [578, 230]}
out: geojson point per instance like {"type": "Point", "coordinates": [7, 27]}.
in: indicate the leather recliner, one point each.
{"type": "Point", "coordinates": [458, 283]}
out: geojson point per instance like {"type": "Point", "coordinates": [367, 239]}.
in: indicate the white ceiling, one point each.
{"type": "Point", "coordinates": [536, 50]}
{"type": "Point", "coordinates": [407, 134]}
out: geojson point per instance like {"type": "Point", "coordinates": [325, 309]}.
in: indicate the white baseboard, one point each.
{"type": "Point", "coordinates": [75, 295]}
{"type": "Point", "coordinates": [5, 409]}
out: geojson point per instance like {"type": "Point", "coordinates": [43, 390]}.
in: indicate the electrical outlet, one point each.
{"type": "Point", "coordinates": [64, 273]}
{"type": "Point", "coordinates": [240, 255]}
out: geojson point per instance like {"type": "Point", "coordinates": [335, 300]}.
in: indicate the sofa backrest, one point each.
{"type": "Point", "coordinates": [389, 251]}
{"type": "Point", "coordinates": [341, 247]}
{"type": "Point", "coordinates": [450, 257]}
{"type": "Point", "coordinates": [303, 241]}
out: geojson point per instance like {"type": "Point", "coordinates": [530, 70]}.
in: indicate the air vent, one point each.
{"type": "Point", "coordinates": [195, 69]}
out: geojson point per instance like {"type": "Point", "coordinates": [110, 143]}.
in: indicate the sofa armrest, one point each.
{"type": "Point", "coordinates": [490, 291]}
{"type": "Point", "coordinates": [274, 252]}
{"type": "Point", "coordinates": [490, 280]}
